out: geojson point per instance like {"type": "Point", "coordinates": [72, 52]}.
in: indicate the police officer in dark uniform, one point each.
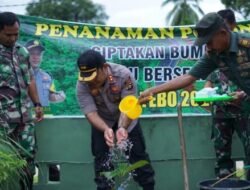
{"type": "Point", "coordinates": [100, 88]}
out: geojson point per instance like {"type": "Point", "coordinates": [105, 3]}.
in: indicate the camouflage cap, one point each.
{"type": "Point", "coordinates": [207, 27]}
{"type": "Point", "coordinates": [34, 44]}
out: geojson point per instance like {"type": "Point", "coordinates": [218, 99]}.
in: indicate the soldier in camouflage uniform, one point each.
{"type": "Point", "coordinates": [228, 51]}
{"type": "Point", "coordinates": [227, 116]}
{"type": "Point", "coordinates": [100, 88]}
{"type": "Point", "coordinates": [16, 86]}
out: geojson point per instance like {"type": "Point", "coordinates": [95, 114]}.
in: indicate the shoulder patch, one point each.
{"type": "Point", "coordinates": [129, 84]}
{"type": "Point", "coordinates": [244, 42]}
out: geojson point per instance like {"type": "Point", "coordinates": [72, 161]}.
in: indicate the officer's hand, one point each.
{"type": "Point", "coordinates": [39, 113]}
{"type": "Point", "coordinates": [109, 137]}
{"type": "Point", "coordinates": [121, 135]}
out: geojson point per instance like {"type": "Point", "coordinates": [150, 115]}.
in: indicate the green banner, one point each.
{"type": "Point", "coordinates": [154, 56]}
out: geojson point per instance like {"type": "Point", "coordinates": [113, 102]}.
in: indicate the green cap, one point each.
{"type": "Point", "coordinates": [207, 27]}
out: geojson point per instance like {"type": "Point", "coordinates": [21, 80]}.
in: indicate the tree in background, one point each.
{"type": "Point", "coordinates": [240, 6]}
{"type": "Point", "coordinates": [69, 10]}
{"type": "Point", "coordinates": [185, 12]}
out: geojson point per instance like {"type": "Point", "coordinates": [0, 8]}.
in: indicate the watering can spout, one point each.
{"type": "Point", "coordinates": [130, 107]}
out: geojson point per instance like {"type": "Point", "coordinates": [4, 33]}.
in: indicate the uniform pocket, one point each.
{"type": "Point", "coordinates": [244, 69]}
{"type": "Point", "coordinates": [99, 100]}
{"type": "Point", "coordinates": [227, 72]}
{"type": "Point", "coordinates": [7, 77]}
{"type": "Point", "coordinates": [114, 93]}
{"type": "Point", "coordinates": [10, 113]}
{"type": "Point", "coordinates": [115, 98]}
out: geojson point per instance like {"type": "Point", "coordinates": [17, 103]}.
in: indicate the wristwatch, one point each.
{"type": "Point", "coordinates": [37, 104]}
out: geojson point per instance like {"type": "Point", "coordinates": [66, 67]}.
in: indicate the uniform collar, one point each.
{"type": "Point", "coordinates": [7, 48]}
{"type": "Point", "coordinates": [36, 70]}
{"type": "Point", "coordinates": [4, 48]}
{"type": "Point", "coordinates": [233, 42]}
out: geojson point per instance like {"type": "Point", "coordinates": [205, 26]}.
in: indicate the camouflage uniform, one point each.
{"type": "Point", "coordinates": [234, 63]}
{"type": "Point", "coordinates": [227, 117]}
{"type": "Point", "coordinates": [15, 113]}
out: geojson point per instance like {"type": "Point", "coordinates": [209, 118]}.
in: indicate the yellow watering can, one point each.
{"type": "Point", "coordinates": [131, 106]}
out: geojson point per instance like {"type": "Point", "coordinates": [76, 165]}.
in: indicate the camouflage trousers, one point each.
{"type": "Point", "coordinates": [23, 135]}
{"type": "Point", "coordinates": [222, 132]}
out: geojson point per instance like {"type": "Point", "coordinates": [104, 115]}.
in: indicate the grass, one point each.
{"type": "Point", "coordinates": [11, 164]}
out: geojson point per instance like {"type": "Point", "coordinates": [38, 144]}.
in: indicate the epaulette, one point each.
{"type": "Point", "coordinates": [244, 42]}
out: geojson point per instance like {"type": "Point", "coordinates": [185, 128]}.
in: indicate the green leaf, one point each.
{"type": "Point", "coordinates": [123, 169]}
{"type": "Point", "coordinates": [11, 163]}
{"type": "Point", "coordinates": [136, 165]}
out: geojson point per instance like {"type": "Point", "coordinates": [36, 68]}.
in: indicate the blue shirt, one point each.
{"type": "Point", "coordinates": [43, 84]}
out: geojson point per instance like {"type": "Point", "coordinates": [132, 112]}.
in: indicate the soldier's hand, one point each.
{"type": "Point", "coordinates": [238, 95]}
{"type": "Point", "coordinates": [39, 113]}
{"type": "Point", "coordinates": [145, 96]}
{"type": "Point", "coordinates": [109, 137]}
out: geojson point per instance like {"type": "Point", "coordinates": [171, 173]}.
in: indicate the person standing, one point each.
{"type": "Point", "coordinates": [44, 82]}
{"type": "Point", "coordinates": [228, 116]}
{"type": "Point", "coordinates": [45, 87]}
{"type": "Point", "coordinates": [227, 51]}
{"type": "Point", "coordinates": [17, 87]}
{"type": "Point", "coordinates": [100, 88]}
